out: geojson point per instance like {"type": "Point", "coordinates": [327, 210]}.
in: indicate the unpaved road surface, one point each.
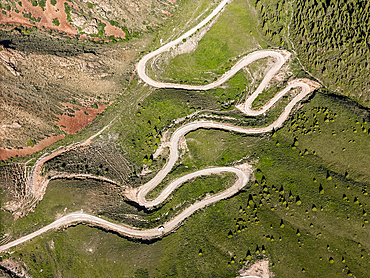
{"type": "Point", "coordinates": [242, 173]}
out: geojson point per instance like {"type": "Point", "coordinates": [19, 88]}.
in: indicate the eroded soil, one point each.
{"type": "Point", "coordinates": [46, 16]}
{"type": "Point", "coordinates": [8, 153]}
{"type": "Point", "coordinates": [55, 18]}
{"type": "Point", "coordinates": [80, 118]}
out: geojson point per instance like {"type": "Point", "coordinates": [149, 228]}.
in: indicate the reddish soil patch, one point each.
{"type": "Point", "coordinates": [46, 16]}
{"type": "Point", "coordinates": [8, 153]}
{"type": "Point", "coordinates": [114, 31]}
{"type": "Point", "coordinates": [166, 13]}
{"type": "Point", "coordinates": [82, 117]}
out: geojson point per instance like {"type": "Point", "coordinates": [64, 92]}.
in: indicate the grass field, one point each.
{"type": "Point", "coordinates": [219, 49]}
{"type": "Point", "coordinates": [187, 15]}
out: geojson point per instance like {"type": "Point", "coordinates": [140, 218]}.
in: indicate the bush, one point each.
{"type": "Point", "coordinates": [56, 22]}
{"type": "Point", "coordinates": [31, 143]}
{"type": "Point", "coordinates": [42, 4]}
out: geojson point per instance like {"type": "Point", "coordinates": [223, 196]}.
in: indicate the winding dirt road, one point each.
{"type": "Point", "coordinates": [242, 172]}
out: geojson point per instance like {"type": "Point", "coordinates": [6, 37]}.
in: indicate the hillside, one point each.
{"type": "Point", "coordinates": [83, 19]}
{"type": "Point", "coordinates": [331, 39]}
{"type": "Point", "coordinates": [61, 65]}
{"type": "Point", "coordinates": [230, 140]}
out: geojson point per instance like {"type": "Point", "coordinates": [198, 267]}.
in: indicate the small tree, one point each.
{"type": "Point", "coordinates": [321, 189]}
{"type": "Point", "coordinates": [230, 234]}
{"type": "Point", "coordinates": [346, 174]}
{"type": "Point", "coordinates": [233, 260]}
{"type": "Point", "coordinates": [282, 224]}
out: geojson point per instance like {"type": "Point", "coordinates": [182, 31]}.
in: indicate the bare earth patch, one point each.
{"type": "Point", "coordinates": [46, 17]}
{"type": "Point", "coordinates": [166, 13]}
{"type": "Point", "coordinates": [8, 153]}
{"type": "Point", "coordinates": [49, 14]}
{"type": "Point", "coordinates": [73, 122]}
{"type": "Point", "coordinates": [114, 31]}
{"type": "Point", "coordinates": [259, 268]}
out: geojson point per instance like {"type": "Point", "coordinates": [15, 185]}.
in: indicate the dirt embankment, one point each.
{"type": "Point", "coordinates": [71, 122]}
{"type": "Point", "coordinates": [8, 153]}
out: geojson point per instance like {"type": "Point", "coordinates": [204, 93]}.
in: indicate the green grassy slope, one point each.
{"type": "Point", "coordinates": [233, 35]}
